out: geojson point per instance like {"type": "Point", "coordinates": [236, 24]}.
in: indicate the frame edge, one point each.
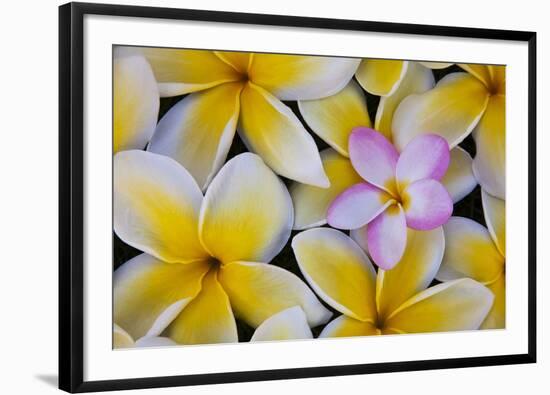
{"type": "Point", "coordinates": [70, 300]}
{"type": "Point", "coordinates": [532, 170]}
{"type": "Point", "coordinates": [70, 268]}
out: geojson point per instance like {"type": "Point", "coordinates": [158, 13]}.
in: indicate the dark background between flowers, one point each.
{"type": "Point", "coordinates": [469, 207]}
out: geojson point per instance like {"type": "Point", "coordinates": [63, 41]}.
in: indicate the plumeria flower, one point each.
{"type": "Point", "coordinates": [388, 302]}
{"type": "Point", "coordinates": [333, 119]}
{"type": "Point", "coordinates": [205, 259]}
{"type": "Point", "coordinates": [135, 101]}
{"type": "Point", "coordinates": [289, 324]}
{"type": "Point", "coordinates": [237, 90]}
{"type": "Point", "coordinates": [122, 339]}
{"type": "Point", "coordinates": [398, 191]}
{"type": "Point", "coordinates": [479, 253]}
{"type": "Point", "coordinates": [459, 104]}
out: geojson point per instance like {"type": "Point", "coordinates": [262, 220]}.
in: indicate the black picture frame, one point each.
{"type": "Point", "coordinates": [71, 198]}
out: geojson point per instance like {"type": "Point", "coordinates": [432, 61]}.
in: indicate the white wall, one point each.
{"type": "Point", "coordinates": [28, 193]}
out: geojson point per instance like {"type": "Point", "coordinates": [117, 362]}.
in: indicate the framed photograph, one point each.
{"type": "Point", "coordinates": [253, 197]}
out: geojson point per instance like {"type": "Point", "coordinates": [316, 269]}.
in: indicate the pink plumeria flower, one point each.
{"type": "Point", "coordinates": [400, 191]}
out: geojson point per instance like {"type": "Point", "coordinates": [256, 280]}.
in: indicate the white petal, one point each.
{"type": "Point", "coordinates": [288, 324]}
{"type": "Point", "coordinates": [148, 294]}
{"type": "Point", "coordinates": [154, 341]}
{"type": "Point", "coordinates": [294, 77]}
{"type": "Point", "coordinates": [156, 206]}
{"type": "Point", "coordinates": [333, 118]}
{"type": "Point", "coordinates": [247, 212]}
{"type": "Point", "coordinates": [258, 291]}
{"type": "Point", "coordinates": [270, 129]}
{"type": "Point", "coordinates": [135, 102]}
{"type": "Point", "coordinates": [199, 129]}
{"type": "Point", "coordinates": [459, 179]}
{"type": "Point", "coordinates": [452, 109]}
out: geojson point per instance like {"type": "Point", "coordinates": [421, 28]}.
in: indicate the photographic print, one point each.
{"type": "Point", "coordinates": [252, 197]}
{"type": "Point", "coordinates": [271, 197]}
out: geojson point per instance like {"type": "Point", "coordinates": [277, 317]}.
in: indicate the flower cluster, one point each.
{"type": "Point", "coordinates": [266, 205]}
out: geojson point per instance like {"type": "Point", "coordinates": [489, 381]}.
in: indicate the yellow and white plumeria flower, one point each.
{"type": "Point", "coordinates": [135, 101]}
{"type": "Point", "coordinates": [479, 253]}
{"type": "Point", "coordinates": [289, 324]}
{"type": "Point", "coordinates": [230, 90]}
{"type": "Point", "coordinates": [122, 339]}
{"type": "Point", "coordinates": [334, 118]}
{"type": "Point", "coordinates": [459, 104]}
{"type": "Point", "coordinates": [388, 302]}
{"type": "Point", "coordinates": [205, 258]}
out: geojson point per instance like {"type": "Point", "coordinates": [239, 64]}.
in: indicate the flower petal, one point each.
{"type": "Point", "coordinates": [270, 129]}
{"type": "Point", "coordinates": [414, 272]}
{"type": "Point", "coordinates": [357, 206]}
{"type": "Point", "coordinates": [427, 204]}
{"type": "Point", "coordinates": [490, 160]}
{"type": "Point", "coordinates": [338, 270]}
{"type": "Point", "coordinates": [156, 206]}
{"type": "Point", "coordinates": [240, 61]}
{"type": "Point", "coordinates": [453, 306]}
{"type": "Point", "coordinates": [359, 235]}
{"type": "Point", "coordinates": [155, 341]}
{"type": "Point", "coordinates": [425, 156]}
{"type": "Point", "coordinates": [258, 291]}
{"type": "Point", "coordinates": [436, 65]}
{"type": "Point", "coordinates": [333, 118]}
{"type": "Point", "coordinates": [469, 252]}
{"type": "Point", "coordinates": [496, 319]}
{"type": "Point", "coordinates": [195, 135]}
{"type": "Point", "coordinates": [459, 179]}
{"type": "Point", "coordinates": [135, 102]}
{"type": "Point", "coordinates": [452, 109]}
{"type": "Point", "coordinates": [374, 158]}
{"type": "Point", "coordinates": [246, 213]}
{"type": "Point", "coordinates": [344, 326]}
{"type": "Point", "coordinates": [418, 79]}
{"type": "Point", "coordinates": [293, 77]}
{"type": "Point", "coordinates": [480, 71]}
{"type": "Point", "coordinates": [387, 237]}
{"type": "Point", "coordinates": [311, 203]}
{"type": "Point", "coordinates": [381, 77]}
{"type": "Point", "coordinates": [494, 210]}
{"type": "Point", "coordinates": [121, 338]}
{"type": "Point", "coordinates": [149, 293]}
{"type": "Point", "coordinates": [288, 324]}
{"type": "Point", "coordinates": [180, 71]}
{"type": "Point", "coordinates": [207, 319]}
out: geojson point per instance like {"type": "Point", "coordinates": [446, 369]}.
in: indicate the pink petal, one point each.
{"type": "Point", "coordinates": [373, 157]}
{"type": "Point", "coordinates": [426, 156]}
{"type": "Point", "coordinates": [387, 237]}
{"type": "Point", "coordinates": [357, 206]}
{"type": "Point", "coordinates": [427, 204]}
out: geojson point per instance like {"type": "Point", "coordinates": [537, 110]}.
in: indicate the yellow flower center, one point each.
{"type": "Point", "coordinates": [398, 193]}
